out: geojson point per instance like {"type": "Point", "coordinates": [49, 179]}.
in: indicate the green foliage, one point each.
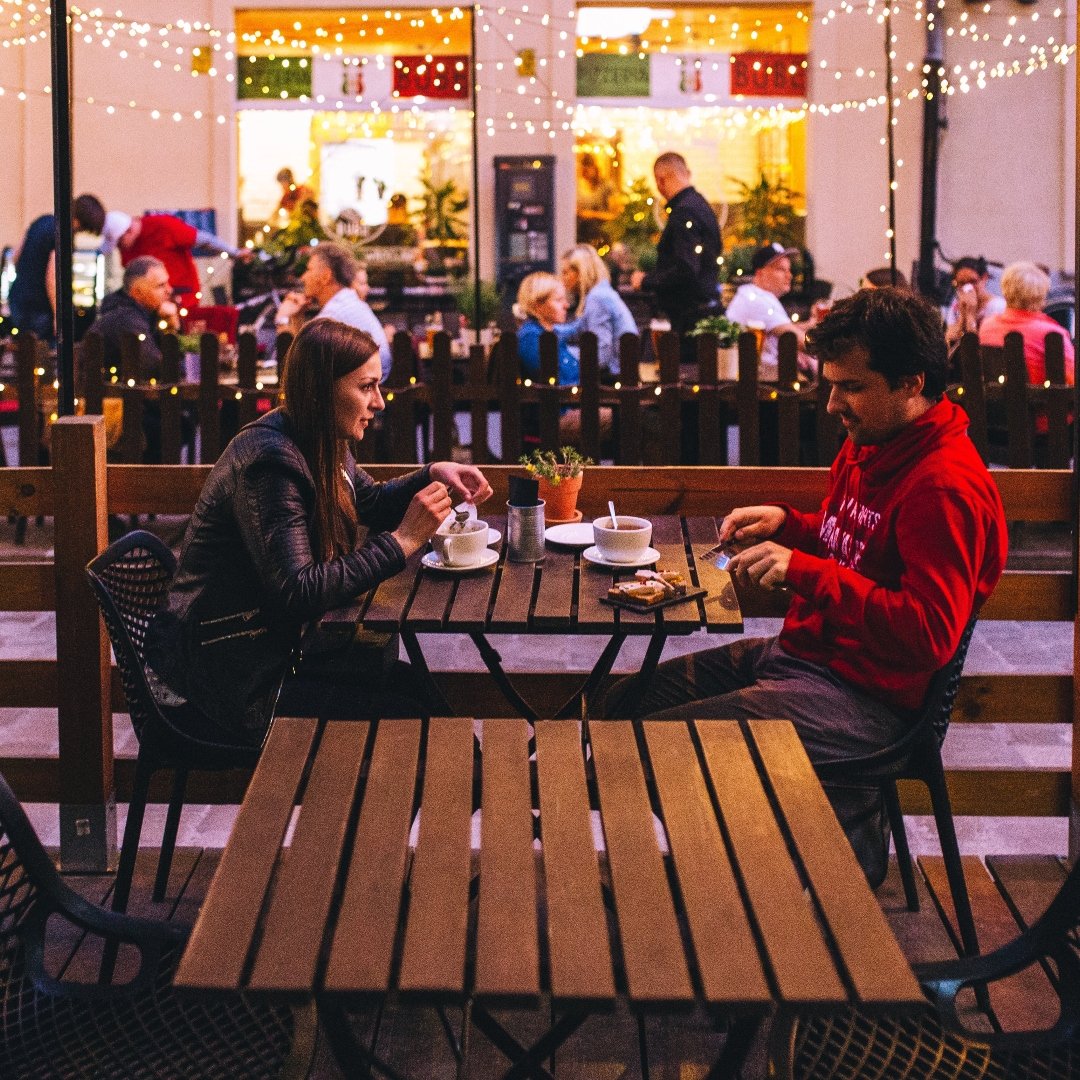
{"type": "Point", "coordinates": [727, 332]}
{"type": "Point", "coordinates": [736, 265]}
{"type": "Point", "coordinates": [767, 214]}
{"type": "Point", "coordinates": [635, 224]}
{"type": "Point", "coordinates": [303, 227]}
{"type": "Point", "coordinates": [553, 465]}
{"type": "Point", "coordinates": [441, 212]}
{"type": "Point", "coordinates": [464, 290]}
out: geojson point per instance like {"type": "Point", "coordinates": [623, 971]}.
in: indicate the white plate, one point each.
{"type": "Point", "coordinates": [648, 557]}
{"type": "Point", "coordinates": [494, 536]}
{"type": "Point", "coordinates": [432, 561]}
{"type": "Point", "coordinates": [574, 534]}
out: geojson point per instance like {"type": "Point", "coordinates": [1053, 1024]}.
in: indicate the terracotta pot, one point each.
{"type": "Point", "coordinates": [727, 362]}
{"type": "Point", "coordinates": [561, 498]}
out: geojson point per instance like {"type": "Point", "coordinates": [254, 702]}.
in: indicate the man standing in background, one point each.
{"type": "Point", "coordinates": [686, 276]}
{"type": "Point", "coordinates": [33, 292]}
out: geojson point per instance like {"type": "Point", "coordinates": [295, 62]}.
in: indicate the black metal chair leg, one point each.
{"type": "Point", "coordinates": [903, 851]}
{"type": "Point", "coordinates": [950, 851]}
{"type": "Point", "coordinates": [129, 850]}
{"type": "Point", "coordinates": [168, 839]}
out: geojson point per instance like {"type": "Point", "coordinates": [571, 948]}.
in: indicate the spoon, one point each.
{"type": "Point", "coordinates": [611, 511]}
{"type": "Point", "coordinates": [460, 518]}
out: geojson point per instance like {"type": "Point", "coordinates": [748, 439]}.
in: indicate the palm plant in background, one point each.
{"type": "Point", "coordinates": [441, 210]}
{"type": "Point", "coordinates": [766, 213]}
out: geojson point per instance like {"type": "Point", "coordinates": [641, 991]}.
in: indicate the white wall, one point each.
{"type": "Point", "coordinates": [1006, 179]}
{"type": "Point", "coordinates": [1007, 159]}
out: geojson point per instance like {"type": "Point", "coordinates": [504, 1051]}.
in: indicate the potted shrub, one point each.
{"type": "Point", "coordinates": [464, 291]}
{"type": "Point", "coordinates": [559, 473]}
{"type": "Point", "coordinates": [727, 343]}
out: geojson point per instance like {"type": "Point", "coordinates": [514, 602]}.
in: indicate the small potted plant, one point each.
{"type": "Point", "coordinates": [727, 342]}
{"type": "Point", "coordinates": [559, 473]}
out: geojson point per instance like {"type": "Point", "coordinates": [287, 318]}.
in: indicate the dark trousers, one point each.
{"type": "Point", "coordinates": [756, 679]}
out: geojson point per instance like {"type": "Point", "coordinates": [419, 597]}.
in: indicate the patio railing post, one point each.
{"type": "Point", "coordinates": [84, 701]}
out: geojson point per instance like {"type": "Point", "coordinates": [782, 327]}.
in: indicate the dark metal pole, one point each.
{"type": "Point", "coordinates": [475, 182]}
{"type": "Point", "coordinates": [890, 140]}
{"type": "Point", "coordinates": [62, 199]}
{"type": "Point", "coordinates": [1074, 801]}
{"type": "Point", "coordinates": [932, 125]}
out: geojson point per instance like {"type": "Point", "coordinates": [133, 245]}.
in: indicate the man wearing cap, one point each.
{"type": "Point", "coordinates": [757, 305]}
{"type": "Point", "coordinates": [167, 238]}
{"type": "Point", "coordinates": [685, 278]}
{"type": "Point", "coordinates": [33, 292]}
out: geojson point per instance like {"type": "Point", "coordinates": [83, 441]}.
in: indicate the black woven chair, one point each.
{"type": "Point", "coordinates": [933, 1044]}
{"type": "Point", "coordinates": [918, 757]}
{"type": "Point", "coordinates": [58, 1029]}
{"type": "Point", "coordinates": [131, 579]}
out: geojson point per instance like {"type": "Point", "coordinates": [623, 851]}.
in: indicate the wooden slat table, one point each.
{"type": "Point", "coordinates": [752, 898]}
{"type": "Point", "coordinates": [560, 595]}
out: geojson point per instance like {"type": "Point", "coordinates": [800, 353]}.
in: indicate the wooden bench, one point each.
{"type": "Point", "coordinates": [80, 490]}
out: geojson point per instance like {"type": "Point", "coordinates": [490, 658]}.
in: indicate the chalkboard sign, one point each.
{"type": "Point", "coordinates": [524, 218]}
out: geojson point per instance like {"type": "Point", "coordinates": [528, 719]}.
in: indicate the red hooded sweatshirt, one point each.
{"type": "Point", "coordinates": [910, 539]}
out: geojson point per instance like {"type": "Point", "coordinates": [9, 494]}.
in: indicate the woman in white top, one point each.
{"type": "Point", "coordinates": [600, 309]}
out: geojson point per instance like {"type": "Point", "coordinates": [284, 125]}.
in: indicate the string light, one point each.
{"type": "Point", "coordinates": [165, 44]}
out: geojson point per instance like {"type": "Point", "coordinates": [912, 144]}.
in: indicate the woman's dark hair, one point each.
{"type": "Point", "coordinates": [972, 262]}
{"type": "Point", "coordinates": [902, 332]}
{"type": "Point", "coordinates": [323, 352]}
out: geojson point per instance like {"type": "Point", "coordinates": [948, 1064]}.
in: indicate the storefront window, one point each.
{"type": "Point", "coordinates": [723, 86]}
{"type": "Point", "coordinates": [355, 126]}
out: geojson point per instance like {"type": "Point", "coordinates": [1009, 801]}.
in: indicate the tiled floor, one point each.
{"type": "Point", "coordinates": [1042, 648]}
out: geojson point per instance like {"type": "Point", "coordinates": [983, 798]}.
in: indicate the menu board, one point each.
{"type": "Point", "coordinates": [525, 218]}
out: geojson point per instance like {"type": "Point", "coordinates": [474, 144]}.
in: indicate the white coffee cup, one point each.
{"type": "Point", "coordinates": [625, 544]}
{"type": "Point", "coordinates": [461, 546]}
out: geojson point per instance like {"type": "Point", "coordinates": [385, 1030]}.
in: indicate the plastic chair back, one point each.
{"type": "Point", "coordinates": [131, 579]}
{"type": "Point", "coordinates": [943, 688]}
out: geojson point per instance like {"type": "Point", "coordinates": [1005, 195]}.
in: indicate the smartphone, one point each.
{"type": "Point", "coordinates": [721, 554]}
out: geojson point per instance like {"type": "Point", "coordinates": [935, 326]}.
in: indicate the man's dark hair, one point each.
{"type": "Point", "coordinates": [903, 333]}
{"type": "Point", "coordinates": [139, 268]}
{"type": "Point", "coordinates": [340, 260]}
{"type": "Point", "coordinates": [88, 214]}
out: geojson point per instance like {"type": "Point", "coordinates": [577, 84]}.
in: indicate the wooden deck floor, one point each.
{"type": "Point", "coordinates": [1007, 893]}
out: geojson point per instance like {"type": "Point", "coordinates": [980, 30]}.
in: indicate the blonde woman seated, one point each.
{"type": "Point", "coordinates": [541, 302]}
{"type": "Point", "coordinates": [600, 309]}
{"type": "Point", "coordinates": [1025, 287]}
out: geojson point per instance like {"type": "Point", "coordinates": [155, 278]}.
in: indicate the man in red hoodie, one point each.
{"type": "Point", "coordinates": [909, 541]}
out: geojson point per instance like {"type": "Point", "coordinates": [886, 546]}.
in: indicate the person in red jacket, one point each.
{"type": "Point", "coordinates": [166, 238]}
{"type": "Point", "coordinates": [908, 543]}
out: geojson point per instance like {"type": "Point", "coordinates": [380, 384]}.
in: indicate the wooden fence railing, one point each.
{"type": "Point", "coordinates": [80, 489]}
{"type": "Point", "coordinates": [662, 414]}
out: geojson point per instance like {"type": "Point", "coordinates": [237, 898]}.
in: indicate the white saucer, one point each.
{"type": "Point", "coordinates": [494, 536]}
{"type": "Point", "coordinates": [432, 561]}
{"type": "Point", "coordinates": [648, 557]}
{"type": "Point", "coordinates": [573, 534]}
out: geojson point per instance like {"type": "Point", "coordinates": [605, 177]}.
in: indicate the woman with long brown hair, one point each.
{"type": "Point", "coordinates": [287, 527]}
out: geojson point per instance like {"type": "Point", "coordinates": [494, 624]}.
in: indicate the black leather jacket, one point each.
{"type": "Point", "coordinates": [247, 580]}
